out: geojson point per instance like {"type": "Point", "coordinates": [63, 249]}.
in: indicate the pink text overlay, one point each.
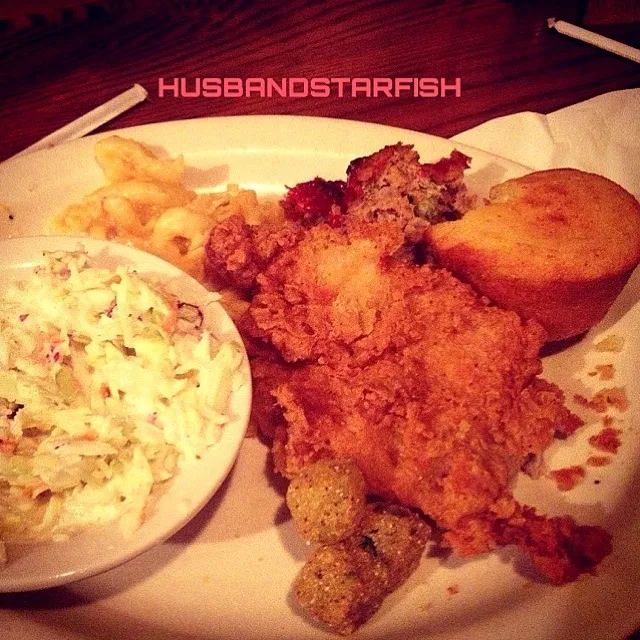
{"type": "Point", "coordinates": [207, 87]}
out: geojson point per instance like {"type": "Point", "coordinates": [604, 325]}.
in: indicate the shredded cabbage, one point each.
{"type": "Point", "coordinates": [106, 389]}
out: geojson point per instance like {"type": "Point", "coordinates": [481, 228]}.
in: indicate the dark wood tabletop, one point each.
{"type": "Point", "coordinates": [61, 58]}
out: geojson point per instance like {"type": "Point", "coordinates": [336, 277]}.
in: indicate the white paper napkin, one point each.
{"type": "Point", "coordinates": [601, 135]}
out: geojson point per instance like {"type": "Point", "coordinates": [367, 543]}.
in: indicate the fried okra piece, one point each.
{"type": "Point", "coordinates": [327, 500]}
{"type": "Point", "coordinates": [396, 537]}
{"type": "Point", "coordinates": [341, 585]}
{"type": "Point", "coordinates": [344, 584]}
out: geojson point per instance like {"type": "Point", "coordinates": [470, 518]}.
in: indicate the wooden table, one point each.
{"type": "Point", "coordinates": [57, 63]}
{"type": "Point", "coordinates": [60, 59]}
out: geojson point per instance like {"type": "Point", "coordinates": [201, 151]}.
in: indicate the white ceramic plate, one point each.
{"type": "Point", "coordinates": [96, 549]}
{"type": "Point", "coordinates": [227, 574]}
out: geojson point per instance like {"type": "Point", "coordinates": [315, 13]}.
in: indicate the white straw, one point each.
{"type": "Point", "coordinates": [92, 120]}
{"type": "Point", "coordinates": [613, 46]}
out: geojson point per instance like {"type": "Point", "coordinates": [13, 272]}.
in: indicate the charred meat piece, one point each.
{"type": "Point", "coordinates": [392, 184]}
{"type": "Point", "coordinates": [315, 201]}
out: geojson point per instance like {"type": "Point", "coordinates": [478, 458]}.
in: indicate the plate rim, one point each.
{"type": "Point", "coordinates": [302, 121]}
{"type": "Point", "coordinates": [152, 129]}
{"type": "Point", "coordinates": [34, 245]}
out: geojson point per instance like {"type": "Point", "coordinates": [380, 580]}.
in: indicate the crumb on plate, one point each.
{"type": "Point", "coordinates": [605, 371]}
{"type": "Point", "coordinates": [568, 478]}
{"type": "Point", "coordinates": [611, 343]}
{"type": "Point", "coordinates": [598, 461]}
{"type": "Point", "coordinates": [606, 440]}
{"type": "Point", "coordinates": [609, 397]}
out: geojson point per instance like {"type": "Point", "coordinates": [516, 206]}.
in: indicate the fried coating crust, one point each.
{"type": "Point", "coordinates": [344, 584]}
{"type": "Point", "coordinates": [324, 294]}
{"type": "Point", "coordinates": [558, 547]}
{"type": "Point", "coordinates": [327, 500]}
{"type": "Point", "coordinates": [267, 370]}
{"type": "Point", "coordinates": [237, 252]}
{"type": "Point", "coordinates": [341, 585]}
{"type": "Point", "coordinates": [430, 389]}
{"type": "Point", "coordinates": [396, 537]}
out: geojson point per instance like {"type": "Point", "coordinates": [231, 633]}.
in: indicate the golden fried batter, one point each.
{"type": "Point", "coordinates": [428, 387]}
{"type": "Point", "coordinates": [344, 584]}
{"type": "Point", "coordinates": [341, 585]}
{"type": "Point", "coordinates": [396, 537]}
{"type": "Point", "coordinates": [236, 252]}
{"type": "Point", "coordinates": [327, 500]}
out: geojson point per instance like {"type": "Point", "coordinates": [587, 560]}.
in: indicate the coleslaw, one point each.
{"type": "Point", "coordinates": [108, 386]}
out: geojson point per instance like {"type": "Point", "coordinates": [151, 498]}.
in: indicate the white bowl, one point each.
{"type": "Point", "coordinates": [47, 564]}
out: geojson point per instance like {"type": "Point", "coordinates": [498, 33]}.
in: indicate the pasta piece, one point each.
{"type": "Point", "coordinates": [122, 159]}
{"type": "Point", "coordinates": [149, 199]}
{"type": "Point", "coordinates": [122, 215]}
{"type": "Point", "coordinates": [179, 222]}
{"type": "Point", "coordinates": [147, 205]}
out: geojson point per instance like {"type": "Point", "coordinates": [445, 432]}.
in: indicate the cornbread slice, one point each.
{"type": "Point", "coordinates": [556, 245]}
